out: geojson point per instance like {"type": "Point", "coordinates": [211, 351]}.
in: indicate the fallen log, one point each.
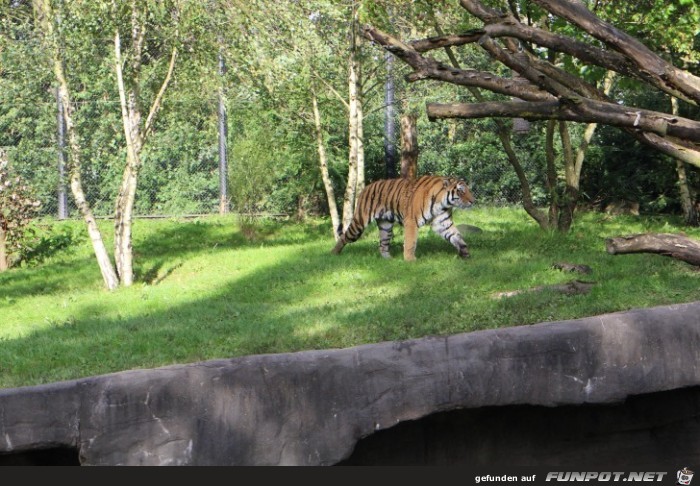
{"type": "Point", "coordinates": [675, 246]}
{"type": "Point", "coordinates": [575, 287]}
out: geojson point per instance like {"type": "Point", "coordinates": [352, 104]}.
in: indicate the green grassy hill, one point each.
{"type": "Point", "coordinates": [209, 288]}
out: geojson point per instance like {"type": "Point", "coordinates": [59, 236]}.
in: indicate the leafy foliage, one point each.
{"type": "Point", "coordinates": [276, 53]}
{"type": "Point", "coordinates": [17, 207]}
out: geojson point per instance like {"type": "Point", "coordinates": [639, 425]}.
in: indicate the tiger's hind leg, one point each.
{"type": "Point", "coordinates": [386, 233]}
{"type": "Point", "coordinates": [444, 226]}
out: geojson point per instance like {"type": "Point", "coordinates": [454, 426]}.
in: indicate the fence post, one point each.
{"type": "Point", "coordinates": [389, 121]}
{"type": "Point", "coordinates": [61, 135]}
{"type": "Point", "coordinates": [223, 132]}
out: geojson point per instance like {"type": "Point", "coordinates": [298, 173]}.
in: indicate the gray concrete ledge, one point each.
{"type": "Point", "coordinates": [311, 408]}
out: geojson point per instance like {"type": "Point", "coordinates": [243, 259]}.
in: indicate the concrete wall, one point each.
{"type": "Point", "coordinates": [312, 408]}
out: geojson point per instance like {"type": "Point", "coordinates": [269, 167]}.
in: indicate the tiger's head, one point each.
{"type": "Point", "coordinates": [458, 193]}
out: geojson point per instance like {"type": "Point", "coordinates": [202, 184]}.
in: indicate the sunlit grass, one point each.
{"type": "Point", "coordinates": [205, 291]}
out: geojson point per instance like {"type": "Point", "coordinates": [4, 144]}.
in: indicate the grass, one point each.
{"type": "Point", "coordinates": [206, 290]}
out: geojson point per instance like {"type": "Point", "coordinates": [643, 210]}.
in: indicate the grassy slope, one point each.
{"type": "Point", "coordinates": [205, 291]}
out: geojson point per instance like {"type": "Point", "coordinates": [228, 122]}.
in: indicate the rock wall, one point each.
{"type": "Point", "coordinates": [312, 408]}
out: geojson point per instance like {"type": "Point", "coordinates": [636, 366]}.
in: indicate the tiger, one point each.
{"type": "Point", "coordinates": [411, 203]}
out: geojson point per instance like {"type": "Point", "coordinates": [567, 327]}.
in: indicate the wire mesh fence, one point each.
{"type": "Point", "coordinates": [184, 170]}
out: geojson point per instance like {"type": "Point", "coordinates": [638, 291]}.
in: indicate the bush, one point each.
{"type": "Point", "coordinates": [17, 206]}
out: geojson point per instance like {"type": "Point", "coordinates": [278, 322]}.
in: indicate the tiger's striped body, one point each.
{"type": "Point", "coordinates": [411, 203]}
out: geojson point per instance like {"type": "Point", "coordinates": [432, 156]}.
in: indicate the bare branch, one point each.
{"type": "Point", "coordinates": [428, 68]}
{"type": "Point", "coordinates": [585, 52]}
{"type": "Point", "coordinates": [159, 97]}
{"type": "Point", "coordinates": [586, 111]}
{"type": "Point", "coordinates": [330, 87]}
{"type": "Point", "coordinates": [666, 74]}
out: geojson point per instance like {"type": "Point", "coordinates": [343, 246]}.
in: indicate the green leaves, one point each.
{"type": "Point", "coordinates": [17, 207]}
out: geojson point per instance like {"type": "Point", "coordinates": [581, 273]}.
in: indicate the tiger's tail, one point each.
{"type": "Point", "coordinates": [351, 234]}
{"type": "Point", "coordinates": [340, 240]}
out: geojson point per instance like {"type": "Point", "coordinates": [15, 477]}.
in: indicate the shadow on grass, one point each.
{"type": "Point", "coordinates": [160, 247]}
{"type": "Point", "coordinates": [47, 279]}
{"type": "Point", "coordinates": [181, 238]}
{"type": "Point", "coordinates": [293, 305]}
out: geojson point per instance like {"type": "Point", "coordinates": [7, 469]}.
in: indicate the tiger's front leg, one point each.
{"type": "Point", "coordinates": [444, 226]}
{"type": "Point", "coordinates": [386, 233]}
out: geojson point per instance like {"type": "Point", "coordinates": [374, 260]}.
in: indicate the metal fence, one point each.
{"type": "Point", "coordinates": [188, 173]}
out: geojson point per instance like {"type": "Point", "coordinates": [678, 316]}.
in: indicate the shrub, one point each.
{"type": "Point", "coordinates": [17, 206]}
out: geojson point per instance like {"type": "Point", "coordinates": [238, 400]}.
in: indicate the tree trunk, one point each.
{"type": "Point", "coordinates": [360, 183]}
{"type": "Point", "coordinates": [124, 205]}
{"type": "Point", "coordinates": [106, 268]}
{"type": "Point", "coordinates": [551, 173]}
{"type": "Point", "coordinates": [349, 199]}
{"type": "Point", "coordinates": [690, 213]}
{"type": "Point", "coordinates": [690, 210]}
{"type": "Point", "coordinates": [47, 19]}
{"type": "Point", "coordinates": [675, 246]}
{"type": "Point", "coordinates": [62, 202]}
{"type": "Point", "coordinates": [323, 161]}
{"type": "Point", "coordinates": [353, 141]}
{"type": "Point", "coordinates": [4, 263]}
{"type": "Point", "coordinates": [135, 137]}
{"type": "Point", "coordinates": [409, 147]}
{"type": "Point", "coordinates": [569, 201]}
{"type": "Point", "coordinates": [223, 139]}
{"type": "Point", "coordinates": [528, 204]}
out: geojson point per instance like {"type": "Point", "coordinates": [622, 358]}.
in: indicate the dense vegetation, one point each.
{"type": "Point", "coordinates": [278, 54]}
{"type": "Point", "coordinates": [210, 288]}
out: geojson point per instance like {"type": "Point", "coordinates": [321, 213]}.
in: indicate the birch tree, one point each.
{"type": "Point", "coordinates": [136, 129]}
{"type": "Point", "coordinates": [46, 20]}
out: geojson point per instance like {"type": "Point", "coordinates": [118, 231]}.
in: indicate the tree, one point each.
{"type": "Point", "coordinates": [46, 19]}
{"type": "Point", "coordinates": [136, 130]}
{"type": "Point", "coordinates": [136, 127]}
{"type": "Point", "coordinates": [355, 136]}
{"type": "Point", "coordinates": [323, 161]}
{"type": "Point", "coordinates": [548, 91]}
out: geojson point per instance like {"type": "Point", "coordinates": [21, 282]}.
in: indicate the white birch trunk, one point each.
{"type": "Point", "coordinates": [123, 210]}
{"type": "Point", "coordinates": [135, 137]}
{"type": "Point", "coordinates": [323, 161]}
{"type": "Point", "coordinates": [359, 127]}
{"type": "Point", "coordinates": [46, 18]}
{"type": "Point", "coordinates": [349, 200]}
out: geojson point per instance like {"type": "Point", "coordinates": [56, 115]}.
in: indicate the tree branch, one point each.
{"type": "Point", "coordinates": [667, 76]}
{"type": "Point", "coordinates": [585, 111]}
{"type": "Point", "coordinates": [586, 53]}
{"type": "Point", "coordinates": [428, 68]}
{"type": "Point", "coordinates": [159, 97]}
{"type": "Point", "coordinates": [333, 90]}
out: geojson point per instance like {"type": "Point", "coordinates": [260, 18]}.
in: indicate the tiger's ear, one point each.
{"type": "Point", "coordinates": [445, 183]}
